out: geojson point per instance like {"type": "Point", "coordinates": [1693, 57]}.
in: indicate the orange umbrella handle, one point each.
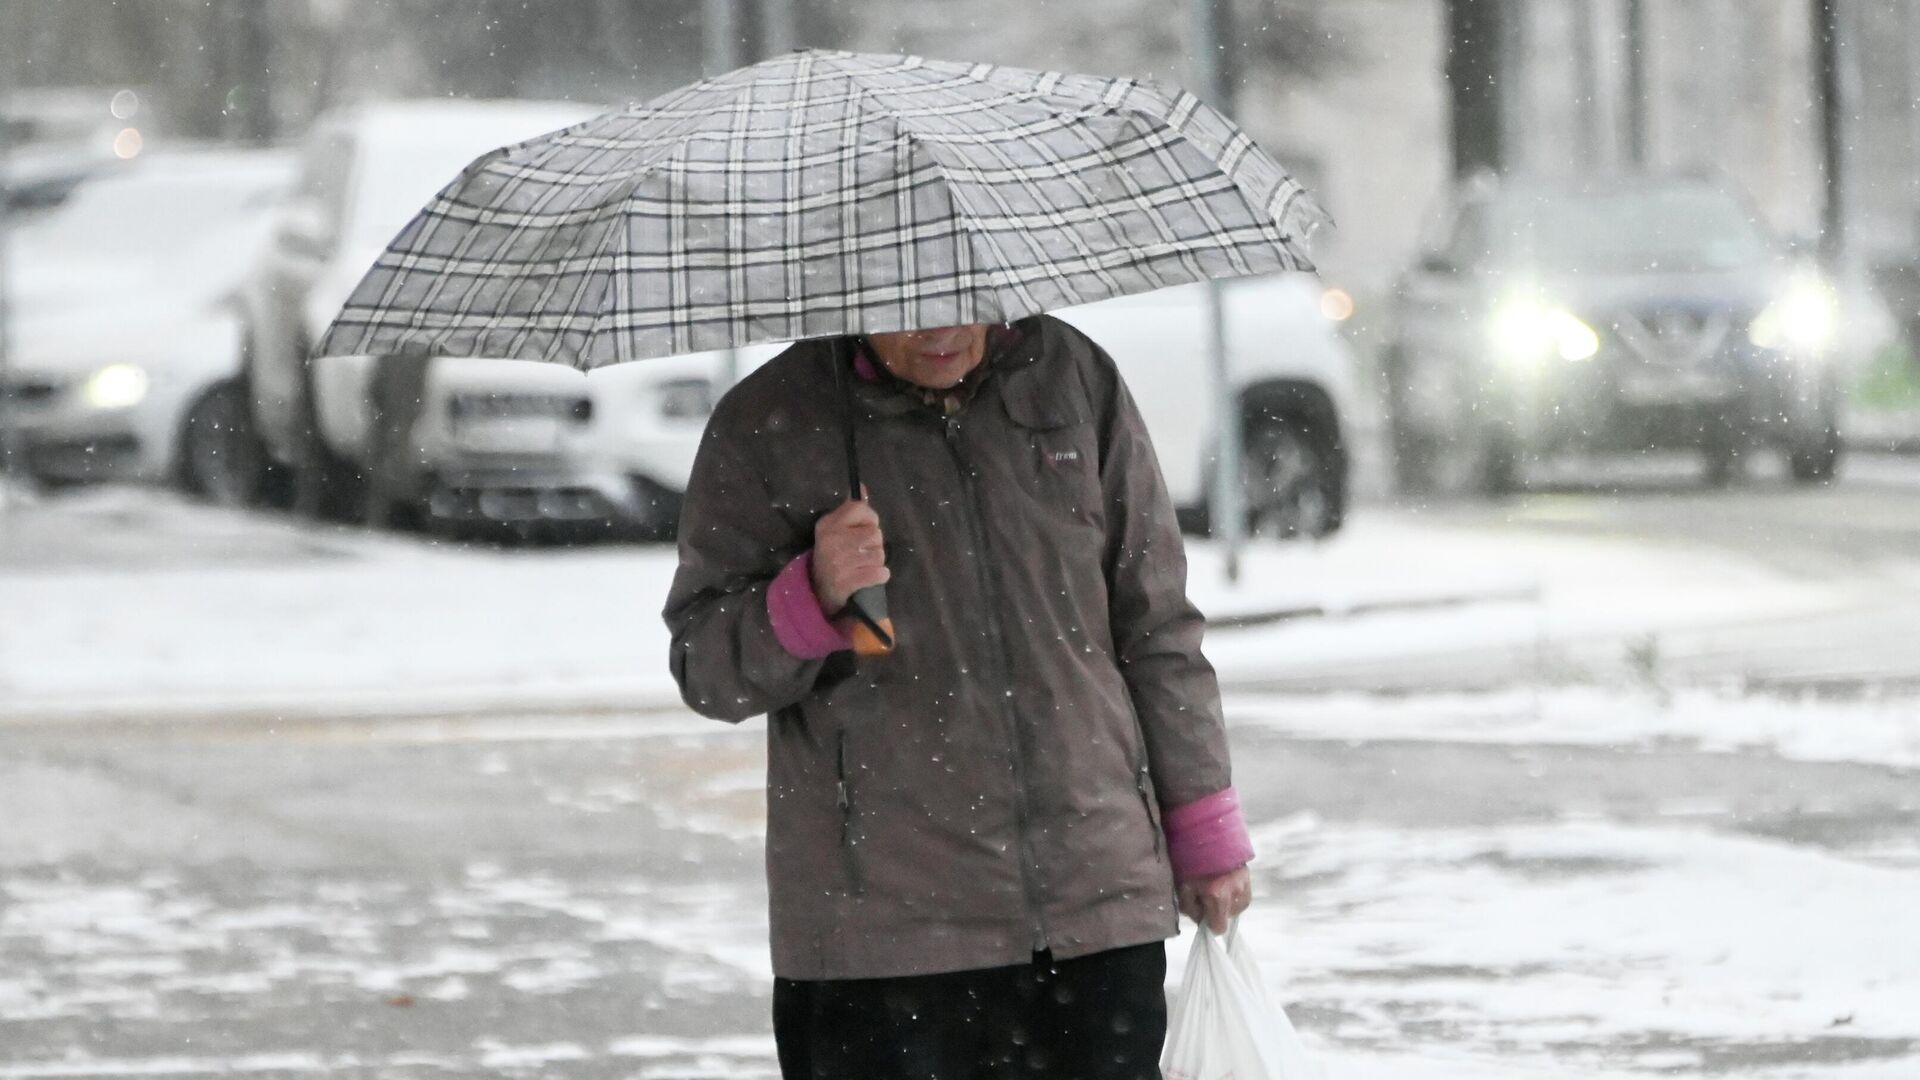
{"type": "Point", "coordinates": [872, 629]}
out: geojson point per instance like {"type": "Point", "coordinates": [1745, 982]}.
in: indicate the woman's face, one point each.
{"type": "Point", "coordinates": [936, 359]}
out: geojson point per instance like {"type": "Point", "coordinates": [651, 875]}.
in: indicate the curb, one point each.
{"type": "Point", "coordinates": [132, 714]}
{"type": "Point", "coordinates": [1250, 619]}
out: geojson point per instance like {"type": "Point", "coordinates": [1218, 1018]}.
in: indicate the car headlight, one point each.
{"type": "Point", "coordinates": [116, 386]}
{"type": "Point", "coordinates": [1527, 330]}
{"type": "Point", "coordinates": [1336, 305]}
{"type": "Point", "coordinates": [1805, 317]}
{"type": "Point", "coordinates": [685, 399]}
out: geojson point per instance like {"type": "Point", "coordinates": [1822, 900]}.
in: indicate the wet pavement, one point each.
{"type": "Point", "coordinates": [581, 897]}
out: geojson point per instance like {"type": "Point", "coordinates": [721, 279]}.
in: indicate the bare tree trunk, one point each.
{"type": "Point", "coordinates": [1639, 102]}
{"type": "Point", "coordinates": [779, 27]}
{"type": "Point", "coordinates": [1477, 32]}
{"type": "Point", "coordinates": [1592, 149]}
{"type": "Point", "coordinates": [720, 34]}
{"type": "Point", "coordinates": [1827, 94]}
{"type": "Point", "coordinates": [249, 104]}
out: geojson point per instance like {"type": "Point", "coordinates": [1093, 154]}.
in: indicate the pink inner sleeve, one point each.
{"type": "Point", "coordinates": [1207, 837]}
{"type": "Point", "coordinates": [795, 612]}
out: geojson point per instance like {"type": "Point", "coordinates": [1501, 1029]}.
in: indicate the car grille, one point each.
{"type": "Point", "coordinates": [1675, 337]}
{"type": "Point", "coordinates": [479, 406]}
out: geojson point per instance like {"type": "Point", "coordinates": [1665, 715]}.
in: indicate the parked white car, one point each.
{"type": "Point", "coordinates": [124, 349]}
{"type": "Point", "coordinates": [496, 441]}
{"type": "Point", "coordinates": [1294, 375]}
{"type": "Point", "coordinates": [1300, 408]}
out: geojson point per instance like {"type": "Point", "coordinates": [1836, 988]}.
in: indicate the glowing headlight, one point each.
{"type": "Point", "coordinates": [1806, 316]}
{"type": "Point", "coordinates": [1528, 330]}
{"type": "Point", "coordinates": [116, 386]}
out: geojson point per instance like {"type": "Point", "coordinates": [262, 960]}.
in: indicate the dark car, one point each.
{"type": "Point", "coordinates": [1634, 315]}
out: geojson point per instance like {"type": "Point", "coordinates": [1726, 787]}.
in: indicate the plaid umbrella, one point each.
{"type": "Point", "coordinates": [826, 193]}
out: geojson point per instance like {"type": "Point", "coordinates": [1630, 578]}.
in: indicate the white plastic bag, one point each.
{"type": "Point", "coordinates": [1225, 1024]}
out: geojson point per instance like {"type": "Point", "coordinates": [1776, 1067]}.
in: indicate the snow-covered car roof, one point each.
{"type": "Point", "coordinates": [158, 223]}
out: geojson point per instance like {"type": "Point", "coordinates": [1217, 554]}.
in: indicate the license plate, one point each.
{"type": "Point", "coordinates": [508, 434]}
{"type": "Point", "coordinates": [1658, 387]}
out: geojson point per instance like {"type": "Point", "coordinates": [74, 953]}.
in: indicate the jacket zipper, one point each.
{"type": "Point", "coordinates": [845, 798]}
{"type": "Point", "coordinates": [1140, 781]}
{"type": "Point", "coordinates": [1021, 811]}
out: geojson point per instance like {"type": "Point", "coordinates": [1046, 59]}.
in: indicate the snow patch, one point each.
{"type": "Point", "coordinates": [1885, 732]}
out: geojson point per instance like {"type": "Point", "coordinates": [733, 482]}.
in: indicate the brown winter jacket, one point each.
{"type": "Point", "coordinates": [993, 787]}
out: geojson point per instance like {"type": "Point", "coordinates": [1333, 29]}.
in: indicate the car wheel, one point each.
{"type": "Point", "coordinates": [219, 457]}
{"type": "Point", "coordinates": [326, 487]}
{"type": "Point", "coordinates": [1497, 470]}
{"type": "Point", "coordinates": [1412, 448]}
{"type": "Point", "coordinates": [1817, 460]}
{"type": "Point", "coordinates": [1414, 458]}
{"type": "Point", "coordinates": [1291, 481]}
{"type": "Point", "coordinates": [1723, 452]}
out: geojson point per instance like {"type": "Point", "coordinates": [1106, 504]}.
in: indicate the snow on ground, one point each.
{"type": "Point", "coordinates": [1541, 950]}
{"type": "Point", "coordinates": [1870, 731]}
{"type": "Point", "coordinates": [1537, 593]}
{"type": "Point", "coordinates": [388, 629]}
{"type": "Point", "coordinates": [253, 619]}
{"type": "Point", "coordinates": [343, 622]}
{"type": "Point", "coordinates": [1650, 947]}
{"type": "Point", "coordinates": [195, 612]}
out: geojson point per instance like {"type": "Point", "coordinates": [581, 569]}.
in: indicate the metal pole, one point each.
{"type": "Point", "coordinates": [1913, 125]}
{"type": "Point", "coordinates": [8, 44]}
{"type": "Point", "coordinates": [720, 38]}
{"type": "Point", "coordinates": [1229, 518]}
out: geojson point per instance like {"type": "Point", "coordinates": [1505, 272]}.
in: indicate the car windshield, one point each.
{"type": "Point", "coordinates": [1682, 229]}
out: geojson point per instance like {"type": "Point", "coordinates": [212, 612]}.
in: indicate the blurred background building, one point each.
{"type": "Point", "coordinates": [1355, 95]}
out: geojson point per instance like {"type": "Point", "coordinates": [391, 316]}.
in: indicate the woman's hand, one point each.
{"type": "Point", "coordinates": [849, 554]}
{"type": "Point", "coordinates": [1216, 900]}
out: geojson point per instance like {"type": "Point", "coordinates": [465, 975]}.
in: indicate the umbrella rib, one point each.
{"type": "Point", "coordinates": [1058, 219]}
{"type": "Point", "coordinates": [962, 213]}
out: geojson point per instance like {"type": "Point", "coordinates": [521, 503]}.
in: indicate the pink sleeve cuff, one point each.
{"type": "Point", "coordinates": [795, 612]}
{"type": "Point", "coordinates": [1207, 837]}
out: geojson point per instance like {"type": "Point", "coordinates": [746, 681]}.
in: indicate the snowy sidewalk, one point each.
{"type": "Point", "coordinates": [132, 606]}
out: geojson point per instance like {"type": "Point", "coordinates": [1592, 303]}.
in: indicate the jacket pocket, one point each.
{"type": "Point", "coordinates": [849, 857]}
{"type": "Point", "coordinates": [1062, 467]}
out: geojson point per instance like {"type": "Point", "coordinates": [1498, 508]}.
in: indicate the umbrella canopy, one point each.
{"type": "Point", "coordinates": [826, 193]}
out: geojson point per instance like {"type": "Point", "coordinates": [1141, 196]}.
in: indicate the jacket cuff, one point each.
{"type": "Point", "coordinates": [794, 610]}
{"type": "Point", "coordinates": [1207, 837]}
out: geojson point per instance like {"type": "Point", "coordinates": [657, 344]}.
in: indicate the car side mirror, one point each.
{"type": "Point", "coordinates": [303, 229]}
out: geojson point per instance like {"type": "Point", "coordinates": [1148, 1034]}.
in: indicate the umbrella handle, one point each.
{"type": "Point", "coordinates": [873, 629]}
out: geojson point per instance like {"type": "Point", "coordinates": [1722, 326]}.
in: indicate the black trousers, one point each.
{"type": "Point", "coordinates": [1098, 1017]}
